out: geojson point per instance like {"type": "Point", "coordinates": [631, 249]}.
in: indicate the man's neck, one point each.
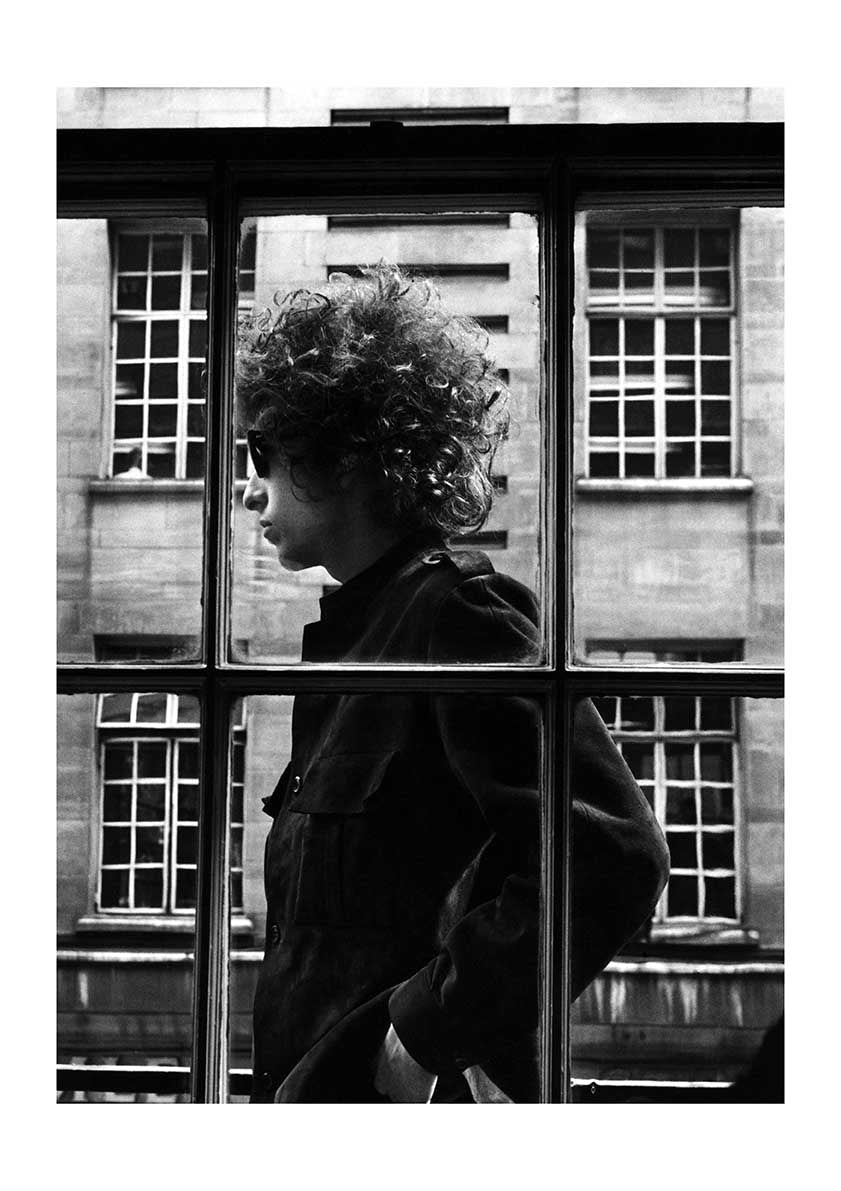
{"type": "Point", "coordinates": [360, 550]}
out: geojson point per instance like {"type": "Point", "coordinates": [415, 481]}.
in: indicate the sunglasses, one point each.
{"type": "Point", "coordinates": [260, 450]}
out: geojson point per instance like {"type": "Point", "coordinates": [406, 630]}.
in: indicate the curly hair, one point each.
{"type": "Point", "coordinates": [376, 372]}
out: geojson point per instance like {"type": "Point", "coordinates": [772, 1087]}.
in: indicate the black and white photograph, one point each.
{"type": "Point", "coordinates": [420, 537]}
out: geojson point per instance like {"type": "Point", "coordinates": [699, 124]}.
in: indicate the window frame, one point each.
{"type": "Point", "coordinates": [657, 737]}
{"type": "Point", "coordinates": [659, 312]}
{"type": "Point", "coordinates": [391, 169]}
{"type": "Point", "coordinates": [174, 732]}
{"type": "Point", "coordinates": [184, 315]}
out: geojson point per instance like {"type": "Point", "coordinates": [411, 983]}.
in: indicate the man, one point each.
{"type": "Point", "coordinates": [402, 866]}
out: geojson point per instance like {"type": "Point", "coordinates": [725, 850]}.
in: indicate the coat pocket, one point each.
{"type": "Point", "coordinates": [347, 844]}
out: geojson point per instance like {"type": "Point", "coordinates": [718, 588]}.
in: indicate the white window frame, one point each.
{"type": "Point", "coordinates": [658, 311]}
{"type": "Point", "coordinates": [184, 315]}
{"type": "Point", "coordinates": [173, 733]}
{"type": "Point", "coordinates": [658, 737]}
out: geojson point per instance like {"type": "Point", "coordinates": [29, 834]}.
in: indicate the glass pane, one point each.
{"type": "Point", "coordinates": [132, 253]}
{"type": "Point", "coordinates": [638, 249]}
{"type": "Point", "coordinates": [166, 292]}
{"type": "Point", "coordinates": [680, 805]}
{"type": "Point", "coordinates": [129, 555]}
{"type": "Point", "coordinates": [638, 463]}
{"type": "Point", "coordinates": [715, 337]}
{"type": "Point", "coordinates": [675, 1005]}
{"type": "Point", "coordinates": [714, 246]}
{"type": "Point", "coordinates": [681, 555]}
{"type": "Point", "coordinates": [720, 897]}
{"type": "Point", "coordinates": [149, 845]}
{"type": "Point", "coordinates": [166, 253]}
{"type": "Point", "coordinates": [603, 249]}
{"type": "Point", "coordinates": [164, 338]}
{"type": "Point", "coordinates": [640, 760]}
{"type": "Point", "coordinates": [680, 712]}
{"type": "Point", "coordinates": [680, 337]}
{"type": "Point", "coordinates": [714, 288]}
{"type": "Point", "coordinates": [679, 247]}
{"type": "Point", "coordinates": [125, 968]}
{"type": "Point", "coordinates": [716, 804]}
{"type": "Point", "coordinates": [639, 337]}
{"type": "Point", "coordinates": [425, 401]}
{"type": "Point", "coordinates": [128, 421]}
{"type": "Point", "coordinates": [129, 382]}
{"type": "Point", "coordinates": [717, 849]}
{"type": "Point", "coordinates": [361, 898]}
{"type": "Point", "coordinates": [131, 340]}
{"type": "Point", "coordinates": [639, 419]}
{"type": "Point", "coordinates": [198, 337]}
{"type": "Point", "coordinates": [151, 801]}
{"type": "Point", "coordinates": [682, 849]}
{"type": "Point", "coordinates": [119, 760]}
{"type": "Point", "coordinates": [131, 293]}
{"type": "Point", "coordinates": [604, 337]}
{"type": "Point", "coordinates": [163, 420]}
{"type": "Point", "coordinates": [604, 419]}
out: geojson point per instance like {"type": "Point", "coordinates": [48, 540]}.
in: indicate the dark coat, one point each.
{"type": "Point", "coordinates": [402, 867]}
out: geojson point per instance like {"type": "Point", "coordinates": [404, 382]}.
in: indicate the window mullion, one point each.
{"type": "Point", "coordinates": [183, 353]}
{"type": "Point", "coordinates": [660, 397]}
{"type": "Point", "coordinates": [210, 991]}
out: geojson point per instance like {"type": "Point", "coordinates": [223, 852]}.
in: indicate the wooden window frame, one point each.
{"type": "Point", "coordinates": [554, 169]}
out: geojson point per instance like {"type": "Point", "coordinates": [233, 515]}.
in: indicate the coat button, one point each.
{"type": "Point", "coordinates": [296, 783]}
{"type": "Point", "coordinates": [267, 1080]}
{"type": "Point", "coordinates": [274, 934]}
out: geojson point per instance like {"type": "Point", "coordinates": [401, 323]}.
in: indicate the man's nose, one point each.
{"type": "Point", "coordinates": [254, 496]}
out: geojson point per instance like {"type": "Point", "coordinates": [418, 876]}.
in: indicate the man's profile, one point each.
{"type": "Point", "coordinates": [402, 864]}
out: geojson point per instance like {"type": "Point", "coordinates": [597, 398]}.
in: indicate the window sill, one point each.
{"type": "Point", "coordinates": [701, 935]}
{"type": "Point", "coordinates": [727, 486]}
{"type": "Point", "coordinates": [150, 487]}
{"type": "Point", "coordinates": [676, 942]}
{"type": "Point", "coordinates": [170, 924]}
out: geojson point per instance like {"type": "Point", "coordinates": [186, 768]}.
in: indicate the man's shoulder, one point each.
{"type": "Point", "coordinates": [470, 574]}
{"type": "Point", "coordinates": [480, 614]}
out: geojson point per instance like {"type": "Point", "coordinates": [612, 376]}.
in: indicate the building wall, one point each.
{"type": "Point", "coordinates": [695, 564]}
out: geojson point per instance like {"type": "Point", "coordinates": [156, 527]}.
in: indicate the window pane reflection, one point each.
{"type": "Point", "coordinates": [488, 273]}
{"type": "Point", "coordinates": [678, 488]}
{"type": "Point", "coordinates": [692, 995]}
{"type": "Point", "coordinates": [126, 896]}
{"type": "Point", "coordinates": [131, 322]}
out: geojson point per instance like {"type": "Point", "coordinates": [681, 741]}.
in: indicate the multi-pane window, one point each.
{"type": "Point", "coordinates": [660, 381]}
{"type": "Point", "coordinates": [149, 766]}
{"type": "Point", "coordinates": [682, 751]}
{"type": "Point", "coordinates": [160, 348]}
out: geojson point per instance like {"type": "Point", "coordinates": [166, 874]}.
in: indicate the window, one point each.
{"type": "Point", "coordinates": [366, 172]}
{"type": "Point", "coordinates": [660, 381]}
{"type": "Point", "coordinates": [682, 749]}
{"type": "Point", "coordinates": [159, 350]}
{"type": "Point", "coordinates": [149, 767]}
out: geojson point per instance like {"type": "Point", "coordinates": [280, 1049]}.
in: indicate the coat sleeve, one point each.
{"type": "Point", "coordinates": [480, 993]}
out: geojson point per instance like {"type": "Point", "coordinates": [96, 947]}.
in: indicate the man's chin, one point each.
{"type": "Point", "coordinates": [290, 563]}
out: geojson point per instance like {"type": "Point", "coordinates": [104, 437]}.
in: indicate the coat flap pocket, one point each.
{"type": "Point", "coordinates": [341, 784]}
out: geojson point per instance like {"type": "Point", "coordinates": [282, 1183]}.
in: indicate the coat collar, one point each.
{"type": "Point", "coordinates": [355, 596]}
{"type": "Point", "coordinates": [344, 611]}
